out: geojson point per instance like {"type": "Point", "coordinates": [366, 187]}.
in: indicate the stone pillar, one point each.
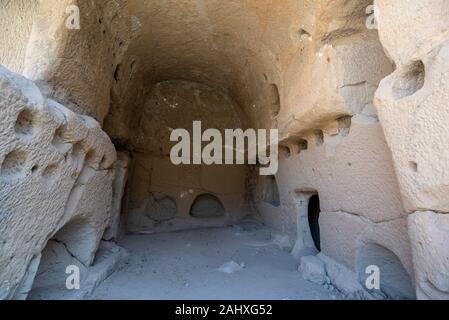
{"type": "Point", "coordinates": [304, 243]}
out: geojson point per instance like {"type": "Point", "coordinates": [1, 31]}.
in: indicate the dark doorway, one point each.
{"type": "Point", "coordinates": [313, 216]}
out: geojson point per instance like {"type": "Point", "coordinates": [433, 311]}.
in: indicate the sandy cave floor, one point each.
{"type": "Point", "coordinates": [184, 265]}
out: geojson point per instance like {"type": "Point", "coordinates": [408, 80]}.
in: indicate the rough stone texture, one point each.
{"type": "Point", "coordinates": [207, 206]}
{"type": "Point", "coordinates": [313, 269]}
{"type": "Point", "coordinates": [421, 166]}
{"type": "Point", "coordinates": [350, 178]}
{"type": "Point", "coordinates": [344, 279]}
{"type": "Point", "coordinates": [165, 104]}
{"type": "Point", "coordinates": [56, 57]}
{"type": "Point", "coordinates": [411, 16]}
{"type": "Point", "coordinates": [56, 173]}
{"type": "Point", "coordinates": [345, 82]}
{"type": "Point", "coordinates": [334, 141]}
{"type": "Point", "coordinates": [415, 96]}
{"type": "Point", "coordinates": [308, 68]}
{"type": "Point", "coordinates": [28, 279]}
{"type": "Point", "coordinates": [14, 39]}
{"type": "Point", "coordinates": [162, 195]}
{"type": "Point", "coordinates": [55, 259]}
{"type": "Point", "coordinates": [342, 234]}
{"type": "Point", "coordinates": [394, 281]}
{"type": "Point", "coordinates": [118, 189]}
{"type": "Point", "coordinates": [158, 175]}
{"type": "Point", "coordinates": [429, 234]}
{"type": "Point", "coordinates": [412, 106]}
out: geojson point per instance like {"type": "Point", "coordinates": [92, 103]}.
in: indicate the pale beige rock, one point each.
{"type": "Point", "coordinates": [422, 27]}
{"type": "Point", "coordinates": [313, 269]}
{"type": "Point", "coordinates": [343, 278]}
{"type": "Point", "coordinates": [418, 143]}
{"type": "Point", "coordinates": [412, 106]}
{"type": "Point", "coordinates": [374, 151]}
{"type": "Point", "coordinates": [429, 235]}
{"type": "Point", "coordinates": [344, 84]}
{"type": "Point", "coordinates": [55, 174]}
{"type": "Point", "coordinates": [16, 21]}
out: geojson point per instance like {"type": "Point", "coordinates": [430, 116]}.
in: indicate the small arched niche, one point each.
{"type": "Point", "coordinates": [271, 191]}
{"type": "Point", "coordinates": [394, 281]}
{"type": "Point", "coordinates": [207, 206]}
{"type": "Point", "coordinates": [410, 80]}
{"type": "Point", "coordinates": [74, 244]}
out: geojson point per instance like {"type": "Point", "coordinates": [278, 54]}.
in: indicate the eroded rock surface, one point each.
{"type": "Point", "coordinates": [358, 91]}
{"type": "Point", "coordinates": [55, 180]}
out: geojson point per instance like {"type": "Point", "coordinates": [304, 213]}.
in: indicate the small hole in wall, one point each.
{"type": "Point", "coordinates": [284, 151]}
{"type": "Point", "coordinates": [61, 139]}
{"type": "Point", "coordinates": [302, 33]}
{"type": "Point", "coordinates": [265, 77]}
{"type": "Point", "coordinates": [410, 80]}
{"type": "Point", "coordinates": [344, 125]}
{"type": "Point", "coordinates": [302, 144]}
{"type": "Point", "coordinates": [413, 166]}
{"type": "Point", "coordinates": [207, 206]}
{"type": "Point", "coordinates": [25, 123]}
{"type": "Point", "coordinates": [77, 156]}
{"type": "Point", "coordinates": [78, 151]}
{"type": "Point", "coordinates": [91, 158]}
{"type": "Point", "coordinates": [319, 137]}
{"type": "Point", "coordinates": [275, 100]}
{"type": "Point", "coordinates": [49, 174]}
{"type": "Point", "coordinates": [59, 135]}
{"type": "Point", "coordinates": [13, 166]}
{"type": "Point", "coordinates": [34, 169]}
{"type": "Point", "coordinates": [313, 214]}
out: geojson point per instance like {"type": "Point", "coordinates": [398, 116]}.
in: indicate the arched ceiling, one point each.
{"type": "Point", "coordinates": [249, 49]}
{"type": "Point", "coordinates": [238, 46]}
